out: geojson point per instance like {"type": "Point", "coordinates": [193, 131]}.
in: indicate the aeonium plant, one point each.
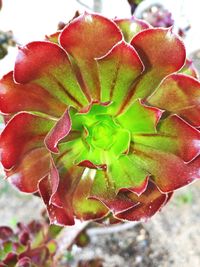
{"type": "Point", "coordinates": [100, 121]}
{"type": "Point", "coordinates": [30, 244]}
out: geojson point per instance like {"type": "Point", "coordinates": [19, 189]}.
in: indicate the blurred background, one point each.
{"type": "Point", "coordinates": [170, 238]}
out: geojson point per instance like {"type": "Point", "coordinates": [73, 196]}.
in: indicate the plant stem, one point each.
{"type": "Point", "coordinates": [111, 229]}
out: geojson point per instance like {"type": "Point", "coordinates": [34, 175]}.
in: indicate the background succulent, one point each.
{"type": "Point", "coordinates": [30, 244]}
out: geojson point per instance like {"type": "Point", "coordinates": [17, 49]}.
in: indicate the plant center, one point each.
{"type": "Point", "coordinates": [102, 134]}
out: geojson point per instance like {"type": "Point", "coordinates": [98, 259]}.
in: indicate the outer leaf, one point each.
{"type": "Point", "coordinates": [29, 97]}
{"type": "Point", "coordinates": [131, 27]}
{"type": "Point", "coordinates": [57, 215]}
{"type": "Point", "coordinates": [33, 167]}
{"type": "Point", "coordinates": [169, 171]}
{"type": "Point", "coordinates": [22, 134]}
{"type": "Point", "coordinates": [162, 53]}
{"type": "Point", "coordinates": [184, 94]}
{"type": "Point", "coordinates": [64, 178]}
{"type": "Point", "coordinates": [84, 39]}
{"type": "Point", "coordinates": [118, 70]}
{"type": "Point", "coordinates": [147, 204]}
{"type": "Point", "coordinates": [54, 73]}
{"type": "Point", "coordinates": [174, 136]}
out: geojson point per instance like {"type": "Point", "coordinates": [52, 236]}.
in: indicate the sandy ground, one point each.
{"type": "Point", "coordinates": [16, 206]}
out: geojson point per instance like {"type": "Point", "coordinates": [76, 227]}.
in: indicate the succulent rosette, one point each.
{"type": "Point", "coordinates": [100, 121]}
{"type": "Point", "coordinates": [29, 245]}
{"type": "Point", "coordinates": [158, 16]}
